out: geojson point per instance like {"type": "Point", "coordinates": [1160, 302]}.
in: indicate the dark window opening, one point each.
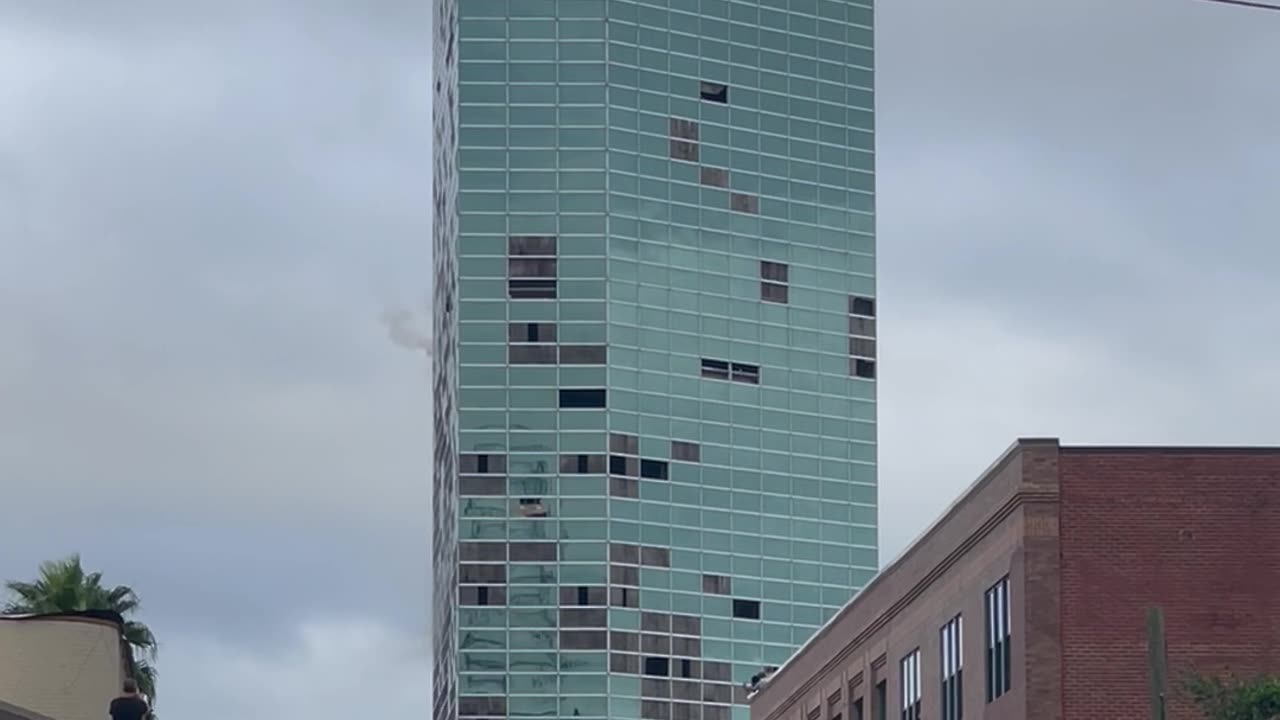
{"type": "Point", "coordinates": [657, 666]}
{"type": "Point", "coordinates": [544, 245]}
{"type": "Point", "coordinates": [881, 703]}
{"type": "Point", "coordinates": [531, 289]}
{"type": "Point", "coordinates": [582, 464]}
{"type": "Point", "coordinates": [483, 464]}
{"type": "Point", "coordinates": [864, 368]}
{"type": "Point", "coordinates": [773, 292]}
{"type": "Point", "coordinates": [653, 469]}
{"type": "Point", "coordinates": [748, 609]}
{"type": "Point", "coordinates": [743, 372]}
{"type": "Point", "coordinates": [583, 596]}
{"type": "Point", "coordinates": [482, 595]}
{"type": "Point", "coordinates": [715, 92]}
{"type": "Point", "coordinates": [775, 271]}
{"type": "Point", "coordinates": [686, 668]}
{"type": "Point", "coordinates": [715, 369]}
{"type": "Point", "coordinates": [593, 398]}
{"type": "Point", "coordinates": [856, 710]}
{"type": "Point", "coordinates": [622, 465]}
{"type": "Point", "coordinates": [864, 306]}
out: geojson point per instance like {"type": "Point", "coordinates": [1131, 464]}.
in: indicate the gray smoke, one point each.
{"type": "Point", "coordinates": [408, 330]}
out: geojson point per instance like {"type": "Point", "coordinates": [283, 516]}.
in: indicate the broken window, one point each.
{"type": "Point", "coordinates": [863, 368]}
{"type": "Point", "coordinates": [864, 306]}
{"type": "Point", "coordinates": [714, 91]}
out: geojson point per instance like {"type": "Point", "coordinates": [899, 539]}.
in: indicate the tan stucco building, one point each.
{"type": "Point", "coordinates": [60, 667]}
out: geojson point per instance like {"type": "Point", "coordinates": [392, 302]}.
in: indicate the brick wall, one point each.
{"type": "Point", "coordinates": [1197, 533]}
{"type": "Point", "coordinates": [65, 668]}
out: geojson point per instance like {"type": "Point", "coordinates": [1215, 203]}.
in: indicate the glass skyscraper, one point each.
{"type": "Point", "coordinates": [655, 348]}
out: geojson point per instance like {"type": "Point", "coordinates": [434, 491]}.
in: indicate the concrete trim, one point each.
{"type": "Point", "coordinates": [7, 710]}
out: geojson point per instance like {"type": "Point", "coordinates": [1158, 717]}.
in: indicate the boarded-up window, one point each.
{"type": "Point", "coordinates": [686, 646]}
{"type": "Point", "coordinates": [774, 292]}
{"type": "Point", "coordinates": [533, 552]}
{"type": "Point", "coordinates": [623, 640]}
{"type": "Point", "coordinates": [624, 575]}
{"type": "Point", "coordinates": [655, 710]}
{"type": "Point", "coordinates": [582, 354]}
{"type": "Point", "coordinates": [487, 485]}
{"type": "Point", "coordinates": [482, 706]}
{"type": "Point", "coordinates": [684, 129]}
{"type": "Point", "coordinates": [655, 622]}
{"type": "Point", "coordinates": [684, 150]}
{"type": "Point", "coordinates": [741, 202]}
{"type": "Point", "coordinates": [862, 347]}
{"type": "Point", "coordinates": [862, 326]}
{"type": "Point", "coordinates": [584, 618]}
{"type": "Point", "coordinates": [627, 664]}
{"type": "Point", "coordinates": [715, 177]}
{"type": "Point", "coordinates": [716, 584]}
{"type": "Point", "coordinates": [774, 271]}
{"type": "Point", "coordinates": [625, 444]}
{"type": "Point", "coordinates": [687, 451]}
{"type": "Point", "coordinates": [686, 624]}
{"type": "Point", "coordinates": [655, 556]}
{"type": "Point", "coordinates": [624, 487]}
{"type": "Point", "coordinates": [583, 640]}
{"type": "Point", "coordinates": [531, 354]}
{"type": "Point", "coordinates": [653, 644]}
{"type": "Point", "coordinates": [482, 551]}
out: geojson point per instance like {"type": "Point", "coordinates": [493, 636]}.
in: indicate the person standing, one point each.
{"type": "Point", "coordinates": [130, 705]}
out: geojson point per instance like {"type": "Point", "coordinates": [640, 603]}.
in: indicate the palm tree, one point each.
{"type": "Point", "coordinates": [64, 586]}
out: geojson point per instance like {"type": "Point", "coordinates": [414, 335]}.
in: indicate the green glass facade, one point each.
{"type": "Point", "coordinates": [666, 399]}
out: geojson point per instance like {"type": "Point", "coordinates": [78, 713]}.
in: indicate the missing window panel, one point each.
{"type": "Point", "coordinates": [744, 203]}
{"type": "Point", "coordinates": [742, 372]}
{"type": "Point", "coordinates": [684, 150]}
{"type": "Point", "coordinates": [714, 92]}
{"type": "Point", "coordinates": [715, 177]}
{"type": "Point", "coordinates": [544, 245]}
{"type": "Point", "coordinates": [773, 292]}
{"type": "Point", "coordinates": [684, 129]}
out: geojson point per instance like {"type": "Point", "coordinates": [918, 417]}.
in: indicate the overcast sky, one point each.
{"type": "Point", "coordinates": [205, 208]}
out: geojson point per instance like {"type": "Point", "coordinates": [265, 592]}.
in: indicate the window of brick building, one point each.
{"type": "Point", "coordinates": [998, 648]}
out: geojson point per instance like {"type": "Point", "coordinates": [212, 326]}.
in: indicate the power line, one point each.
{"type": "Point", "coordinates": [1247, 3]}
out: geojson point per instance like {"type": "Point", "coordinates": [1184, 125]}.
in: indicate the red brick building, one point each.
{"type": "Point", "coordinates": [1031, 597]}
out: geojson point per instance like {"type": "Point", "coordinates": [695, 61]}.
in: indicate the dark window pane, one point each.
{"type": "Point", "coordinates": [714, 92]}
{"type": "Point", "coordinates": [658, 666]}
{"type": "Point", "coordinates": [682, 450]}
{"type": "Point", "coordinates": [742, 202]}
{"type": "Point", "coordinates": [654, 469]}
{"type": "Point", "coordinates": [862, 347]}
{"type": "Point", "coordinates": [773, 292]}
{"type": "Point", "coordinates": [746, 373]}
{"type": "Point", "coordinates": [531, 354]}
{"type": "Point", "coordinates": [531, 332]}
{"type": "Point", "coordinates": [715, 177]}
{"type": "Point", "coordinates": [684, 150]}
{"type": "Point", "coordinates": [531, 267]}
{"type": "Point", "coordinates": [863, 368]}
{"type": "Point", "coordinates": [582, 354]}
{"type": "Point", "coordinates": [748, 609]}
{"type": "Point", "coordinates": [864, 306]}
{"type": "Point", "coordinates": [774, 271]}
{"type": "Point", "coordinates": [715, 369]}
{"type": "Point", "coordinates": [531, 289]}
{"type": "Point", "coordinates": [582, 398]}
